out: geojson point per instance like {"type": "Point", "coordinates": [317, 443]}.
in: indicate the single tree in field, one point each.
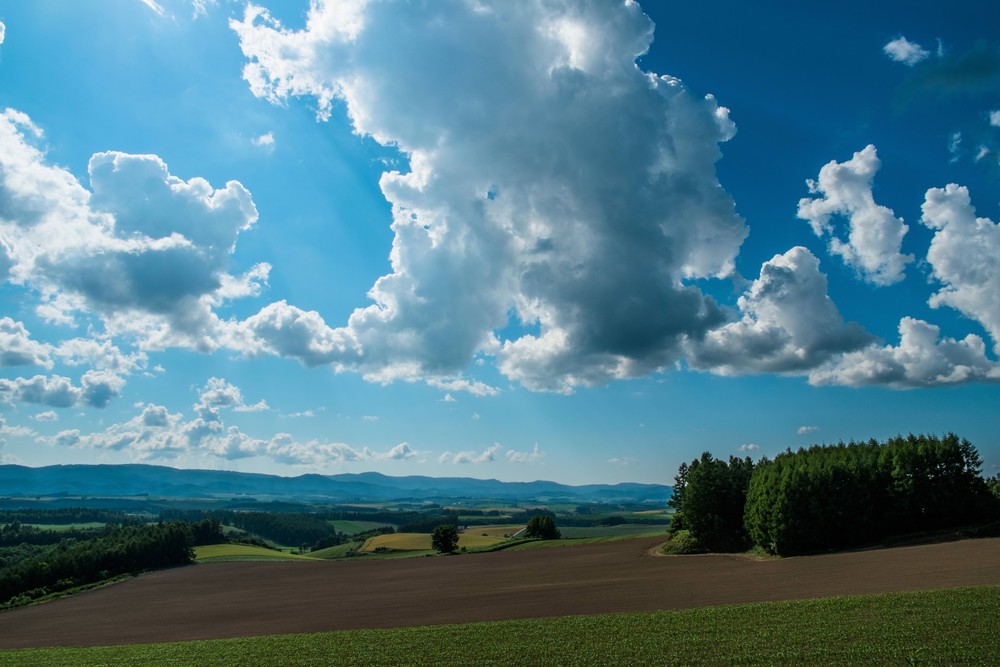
{"type": "Point", "coordinates": [445, 539]}
{"type": "Point", "coordinates": [542, 526]}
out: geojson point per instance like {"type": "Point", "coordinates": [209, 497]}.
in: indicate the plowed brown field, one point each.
{"type": "Point", "coordinates": [217, 600]}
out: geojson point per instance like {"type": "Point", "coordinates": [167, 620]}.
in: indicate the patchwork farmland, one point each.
{"type": "Point", "coordinates": [238, 599]}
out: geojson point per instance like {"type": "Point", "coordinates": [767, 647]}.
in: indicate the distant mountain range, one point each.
{"type": "Point", "coordinates": [162, 481]}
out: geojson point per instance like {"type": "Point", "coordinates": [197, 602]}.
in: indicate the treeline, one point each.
{"type": "Point", "coordinates": [593, 521]}
{"type": "Point", "coordinates": [377, 515]}
{"type": "Point", "coordinates": [13, 534]}
{"type": "Point", "coordinates": [426, 523]}
{"type": "Point", "coordinates": [63, 516]}
{"type": "Point", "coordinates": [343, 538]}
{"type": "Point", "coordinates": [121, 550]}
{"type": "Point", "coordinates": [833, 497]}
{"type": "Point", "coordinates": [708, 499]}
{"type": "Point", "coordinates": [282, 528]}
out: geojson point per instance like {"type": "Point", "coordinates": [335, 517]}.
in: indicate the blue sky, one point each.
{"type": "Point", "coordinates": [580, 241]}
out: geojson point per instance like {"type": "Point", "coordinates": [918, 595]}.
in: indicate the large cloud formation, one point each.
{"type": "Point", "coordinates": [143, 249]}
{"type": "Point", "coordinates": [875, 235]}
{"type": "Point", "coordinates": [564, 196]}
{"type": "Point", "coordinates": [922, 359]}
{"type": "Point", "coordinates": [964, 256]}
{"type": "Point", "coordinates": [788, 323]}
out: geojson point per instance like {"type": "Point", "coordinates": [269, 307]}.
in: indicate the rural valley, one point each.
{"type": "Point", "coordinates": [499, 332]}
{"type": "Point", "coordinates": [139, 576]}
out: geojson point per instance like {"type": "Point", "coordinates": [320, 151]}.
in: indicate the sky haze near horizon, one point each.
{"type": "Point", "coordinates": [578, 240]}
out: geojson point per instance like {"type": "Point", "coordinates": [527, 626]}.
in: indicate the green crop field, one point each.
{"type": "Point", "coordinates": [470, 539]}
{"type": "Point", "coordinates": [339, 551]}
{"type": "Point", "coordinates": [68, 526]}
{"type": "Point", "coordinates": [499, 530]}
{"type": "Point", "coordinates": [955, 626]}
{"type": "Point", "coordinates": [355, 527]}
{"type": "Point", "coordinates": [621, 530]}
{"type": "Point", "coordinates": [227, 552]}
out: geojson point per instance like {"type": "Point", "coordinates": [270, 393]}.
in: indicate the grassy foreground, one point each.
{"type": "Point", "coordinates": [955, 626]}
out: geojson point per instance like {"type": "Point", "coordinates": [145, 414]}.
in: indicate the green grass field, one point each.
{"type": "Point", "coordinates": [339, 551]}
{"type": "Point", "coordinates": [621, 530]}
{"type": "Point", "coordinates": [941, 627]}
{"type": "Point", "coordinates": [496, 530]}
{"type": "Point", "coordinates": [470, 539]}
{"type": "Point", "coordinates": [59, 527]}
{"type": "Point", "coordinates": [355, 527]}
{"type": "Point", "coordinates": [228, 552]}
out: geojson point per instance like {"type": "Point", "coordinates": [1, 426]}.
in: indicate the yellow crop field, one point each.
{"type": "Point", "coordinates": [397, 541]}
{"type": "Point", "coordinates": [471, 539]}
{"type": "Point", "coordinates": [499, 530]}
{"type": "Point", "coordinates": [242, 552]}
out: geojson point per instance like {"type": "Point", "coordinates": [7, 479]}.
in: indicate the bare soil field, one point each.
{"type": "Point", "coordinates": [215, 600]}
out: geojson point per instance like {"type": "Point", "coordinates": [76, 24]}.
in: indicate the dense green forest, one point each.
{"type": "Point", "coordinates": [291, 529]}
{"type": "Point", "coordinates": [115, 551]}
{"type": "Point", "coordinates": [833, 497]}
{"type": "Point", "coordinates": [62, 516]}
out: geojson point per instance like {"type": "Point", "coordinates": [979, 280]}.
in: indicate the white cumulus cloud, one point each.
{"type": "Point", "coordinates": [875, 234]}
{"type": "Point", "coordinates": [787, 323]}
{"type": "Point", "coordinates": [143, 249]}
{"type": "Point", "coordinates": [922, 359]}
{"type": "Point", "coordinates": [904, 51]}
{"type": "Point", "coordinates": [219, 394]}
{"type": "Point", "coordinates": [97, 389]}
{"type": "Point", "coordinates": [400, 452]}
{"type": "Point", "coordinates": [157, 433]}
{"type": "Point", "coordinates": [964, 256]}
{"type": "Point", "coordinates": [101, 355]}
{"type": "Point", "coordinates": [55, 391]}
{"type": "Point", "coordinates": [3, 32]}
{"type": "Point", "coordinates": [17, 348]}
{"type": "Point", "coordinates": [564, 191]}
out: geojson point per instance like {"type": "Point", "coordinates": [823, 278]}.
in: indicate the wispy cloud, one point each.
{"type": "Point", "coordinates": [470, 456]}
{"type": "Point", "coordinates": [152, 4]}
{"type": "Point", "coordinates": [265, 141]}
{"type": "Point", "coordinates": [622, 461]}
{"type": "Point", "coordinates": [534, 455]}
